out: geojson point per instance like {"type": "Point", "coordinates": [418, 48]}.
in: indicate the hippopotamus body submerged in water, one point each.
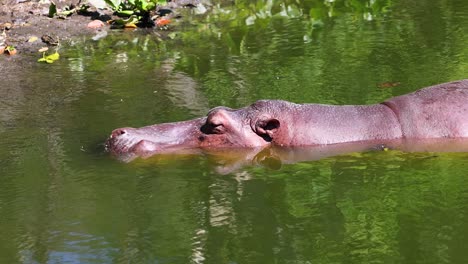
{"type": "Point", "coordinates": [436, 112]}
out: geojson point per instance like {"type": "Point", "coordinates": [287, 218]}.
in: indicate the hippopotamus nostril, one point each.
{"type": "Point", "coordinates": [118, 132]}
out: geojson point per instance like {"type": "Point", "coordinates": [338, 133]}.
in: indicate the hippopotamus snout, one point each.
{"type": "Point", "coordinates": [156, 138]}
{"type": "Point", "coordinates": [122, 140]}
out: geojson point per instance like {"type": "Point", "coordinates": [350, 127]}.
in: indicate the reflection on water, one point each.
{"type": "Point", "coordinates": [63, 200]}
{"type": "Point", "coordinates": [231, 161]}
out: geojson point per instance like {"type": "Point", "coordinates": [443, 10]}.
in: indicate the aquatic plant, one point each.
{"type": "Point", "coordinates": [136, 11]}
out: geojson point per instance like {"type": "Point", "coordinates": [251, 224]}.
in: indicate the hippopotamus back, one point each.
{"type": "Point", "coordinates": [439, 111]}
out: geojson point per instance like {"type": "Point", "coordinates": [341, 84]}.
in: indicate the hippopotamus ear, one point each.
{"type": "Point", "coordinates": [267, 127]}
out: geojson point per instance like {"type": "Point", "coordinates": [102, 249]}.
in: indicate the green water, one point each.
{"type": "Point", "coordinates": [64, 200]}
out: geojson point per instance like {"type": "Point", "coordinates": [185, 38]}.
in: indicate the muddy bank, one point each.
{"type": "Point", "coordinates": [28, 28]}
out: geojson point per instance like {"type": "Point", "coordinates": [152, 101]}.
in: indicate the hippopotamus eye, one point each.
{"type": "Point", "coordinates": [217, 129]}
{"type": "Point", "coordinates": [216, 121]}
{"type": "Point", "coordinates": [211, 128]}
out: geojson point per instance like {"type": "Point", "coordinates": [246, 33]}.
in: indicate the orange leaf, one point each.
{"type": "Point", "coordinates": [162, 22]}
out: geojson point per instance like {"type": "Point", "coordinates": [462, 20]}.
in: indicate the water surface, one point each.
{"type": "Point", "coordinates": [64, 200]}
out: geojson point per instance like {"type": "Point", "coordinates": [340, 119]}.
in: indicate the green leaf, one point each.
{"type": "Point", "coordinates": [145, 5]}
{"type": "Point", "coordinates": [10, 48]}
{"type": "Point", "coordinates": [150, 6]}
{"type": "Point", "coordinates": [114, 4]}
{"type": "Point", "coordinates": [52, 9]}
{"type": "Point", "coordinates": [125, 12]}
{"type": "Point", "coordinates": [132, 19]}
{"type": "Point", "coordinates": [53, 57]}
{"type": "Point", "coordinates": [67, 12]}
{"type": "Point", "coordinates": [50, 58]}
{"type": "Point", "coordinates": [45, 60]}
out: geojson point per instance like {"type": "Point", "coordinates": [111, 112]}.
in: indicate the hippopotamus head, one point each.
{"type": "Point", "coordinates": [251, 127]}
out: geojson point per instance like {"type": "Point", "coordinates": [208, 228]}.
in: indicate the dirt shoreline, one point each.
{"type": "Point", "coordinates": [25, 22]}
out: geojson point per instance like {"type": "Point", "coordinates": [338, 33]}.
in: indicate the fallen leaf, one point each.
{"type": "Point", "coordinates": [32, 39]}
{"type": "Point", "coordinates": [132, 19]}
{"type": "Point", "coordinates": [130, 25]}
{"type": "Point", "coordinates": [161, 22]}
{"type": "Point", "coordinates": [54, 56]}
{"type": "Point", "coordinates": [45, 60]}
{"type": "Point", "coordinates": [10, 50]}
{"type": "Point", "coordinates": [49, 58]}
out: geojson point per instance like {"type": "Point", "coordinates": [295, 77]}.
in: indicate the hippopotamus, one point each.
{"type": "Point", "coordinates": [436, 112]}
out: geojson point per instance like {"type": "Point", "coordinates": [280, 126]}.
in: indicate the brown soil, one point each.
{"type": "Point", "coordinates": [22, 20]}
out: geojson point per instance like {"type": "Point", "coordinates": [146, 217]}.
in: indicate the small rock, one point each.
{"type": "Point", "coordinates": [164, 12]}
{"type": "Point", "coordinates": [7, 26]}
{"type": "Point", "coordinates": [95, 24]}
{"type": "Point", "coordinates": [49, 40]}
{"type": "Point", "coordinates": [100, 35]}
